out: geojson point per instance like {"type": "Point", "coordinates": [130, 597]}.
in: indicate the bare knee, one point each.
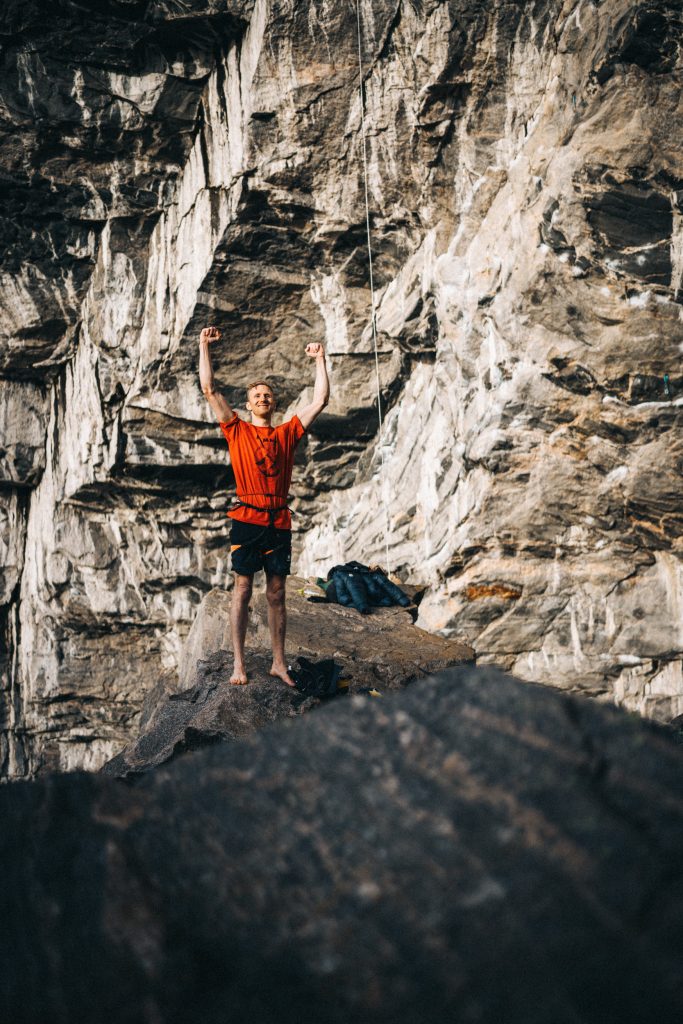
{"type": "Point", "coordinates": [243, 588]}
{"type": "Point", "coordinates": [275, 593]}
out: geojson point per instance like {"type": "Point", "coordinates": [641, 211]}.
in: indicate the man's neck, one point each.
{"type": "Point", "coordinates": [261, 421]}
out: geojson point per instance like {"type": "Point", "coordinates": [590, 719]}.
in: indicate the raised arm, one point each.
{"type": "Point", "coordinates": [321, 387]}
{"type": "Point", "coordinates": [221, 409]}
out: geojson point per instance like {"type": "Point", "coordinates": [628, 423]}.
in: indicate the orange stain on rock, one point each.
{"type": "Point", "coordinates": [476, 591]}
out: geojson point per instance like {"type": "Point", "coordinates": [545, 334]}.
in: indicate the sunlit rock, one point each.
{"type": "Point", "coordinates": [165, 168]}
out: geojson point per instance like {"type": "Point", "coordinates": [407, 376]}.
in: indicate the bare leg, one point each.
{"type": "Point", "coordinates": [239, 615]}
{"type": "Point", "coordinates": [277, 621]}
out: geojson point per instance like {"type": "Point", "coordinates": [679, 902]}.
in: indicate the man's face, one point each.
{"type": "Point", "coordinates": [261, 400]}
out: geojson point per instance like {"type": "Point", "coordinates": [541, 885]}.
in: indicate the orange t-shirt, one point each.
{"type": "Point", "coordinates": [262, 460]}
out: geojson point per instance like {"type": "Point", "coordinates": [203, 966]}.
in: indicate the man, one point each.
{"type": "Point", "coordinates": [261, 534]}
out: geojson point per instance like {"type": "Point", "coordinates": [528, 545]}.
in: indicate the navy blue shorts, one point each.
{"type": "Point", "coordinates": [260, 547]}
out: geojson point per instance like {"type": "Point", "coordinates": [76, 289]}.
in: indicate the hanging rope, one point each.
{"type": "Point", "coordinates": [382, 481]}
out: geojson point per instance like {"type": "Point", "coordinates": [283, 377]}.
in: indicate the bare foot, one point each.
{"type": "Point", "coordinates": [238, 677]}
{"type": "Point", "coordinates": [280, 672]}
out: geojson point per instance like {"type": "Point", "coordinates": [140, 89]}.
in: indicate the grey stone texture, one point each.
{"type": "Point", "coordinates": [165, 165]}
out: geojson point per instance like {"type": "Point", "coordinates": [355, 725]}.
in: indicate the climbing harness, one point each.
{"type": "Point", "coordinates": [372, 288]}
{"type": "Point", "coordinates": [268, 534]}
{"type": "Point", "coordinates": [272, 512]}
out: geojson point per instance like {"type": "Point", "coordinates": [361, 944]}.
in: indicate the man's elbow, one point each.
{"type": "Point", "coordinates": [208, 390]}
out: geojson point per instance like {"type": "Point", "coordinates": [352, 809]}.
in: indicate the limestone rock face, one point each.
{"type": "Point", "coordinates": [165, 165]}
{"type": "Point", "coordinates": [471, 849]}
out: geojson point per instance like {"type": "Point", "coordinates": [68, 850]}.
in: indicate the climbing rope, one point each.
{"type": "Point", "coordinates": [382, 482]}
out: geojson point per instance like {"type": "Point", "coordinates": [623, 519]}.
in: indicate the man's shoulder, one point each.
{"type": "Point", "coordinates": [291, 426]}
{"type": "Point", "coordinates": [230, 426]}
{"type": "Point", "coordinates": [232, 421]}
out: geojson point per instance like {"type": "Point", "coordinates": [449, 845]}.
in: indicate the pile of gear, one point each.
{"type": "Point", "coordinates": [318, 679]}
{"type": "Point", "coordinates": [363, 587]}
{"type": "Point", "coordinates": [357, 586]}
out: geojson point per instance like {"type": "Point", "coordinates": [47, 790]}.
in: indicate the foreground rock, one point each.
{"type": "Point", "coordinates": [383, 651]}
{"type": "Point", "coordinates": [472, 849]}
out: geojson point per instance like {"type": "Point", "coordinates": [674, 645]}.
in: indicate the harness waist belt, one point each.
{"type": "Point", "coordinates": [271, 512]}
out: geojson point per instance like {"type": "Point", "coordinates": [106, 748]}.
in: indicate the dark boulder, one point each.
{"type": "Point", "coordinates": [472, 849]}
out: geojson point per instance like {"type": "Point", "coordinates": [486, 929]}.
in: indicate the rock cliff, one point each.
{"type": "Point", "coordinates": [165, 164]}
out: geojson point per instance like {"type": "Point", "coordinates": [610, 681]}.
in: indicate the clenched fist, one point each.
{"type": "Point", "coordinates": [209, 334]}
{"type": "Point", "coordinates": [315, 350]}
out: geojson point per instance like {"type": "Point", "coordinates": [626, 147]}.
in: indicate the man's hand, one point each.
{"type": "Point", "coordinates": [209, 334]}
{"type": "Point", "coordinates": [321, 387]}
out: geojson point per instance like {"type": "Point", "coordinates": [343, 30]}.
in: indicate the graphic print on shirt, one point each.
{"type": "Point", "coordinates": [267, 456]}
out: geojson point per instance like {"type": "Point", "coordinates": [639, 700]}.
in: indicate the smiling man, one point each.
{"type": "Point", "coordinates": [262, 457]}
